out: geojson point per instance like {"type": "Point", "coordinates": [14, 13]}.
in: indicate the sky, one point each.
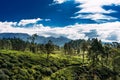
{"type": "Point", "coordinates": [74, 19]}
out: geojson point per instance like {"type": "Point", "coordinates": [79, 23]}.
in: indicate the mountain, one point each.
{"type": "Point", "coordinates": [40, 39]}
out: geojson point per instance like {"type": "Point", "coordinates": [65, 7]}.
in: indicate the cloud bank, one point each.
{"type": "Point", "coordinates": [105, 31]}
{"type": "Point", "coordinates": [93, 9]}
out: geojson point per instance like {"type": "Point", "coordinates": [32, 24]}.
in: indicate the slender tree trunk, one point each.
{"type": "Point", "coordinates": [102, 60]}
{"type": "Point", "coordinates": [107, 60]}
{"type": "Point", "coordinates": [47, 59]}
{"type": "Point", "coordinates": [83, 57]}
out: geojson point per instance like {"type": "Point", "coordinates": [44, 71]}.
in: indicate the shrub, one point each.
{"type": "Point", "coordinates": [46, 71]}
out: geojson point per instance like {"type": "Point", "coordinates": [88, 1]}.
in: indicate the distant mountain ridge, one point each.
{"type": "Point", "coordinates": [40, 39]}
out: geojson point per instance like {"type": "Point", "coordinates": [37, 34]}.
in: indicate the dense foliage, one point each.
{"type": "Point", "coordinates": [76, 60]}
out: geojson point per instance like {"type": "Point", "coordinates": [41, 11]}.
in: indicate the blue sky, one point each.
{"type": "Point", "coordinates": [16, 10]}
{"type": "Point", "coordinates": [73, 19]}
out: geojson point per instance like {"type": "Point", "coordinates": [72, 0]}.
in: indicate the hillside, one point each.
{"type": "Point", "coordinates": [28, 66]}
{"type": "Point", "coordinates": [17, 65]}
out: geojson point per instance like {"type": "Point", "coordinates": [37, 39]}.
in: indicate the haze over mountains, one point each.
{"type": "Point", "coordinates": [40, 39]}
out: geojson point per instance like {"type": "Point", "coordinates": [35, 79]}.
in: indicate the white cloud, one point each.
{"type": "Point", "coordinates": [96, 17]}
{"type": "Point", "coordinates": [105, 31]}
{"type": "Point", "coordinates": [96, 7]}
{"type": "Point", "coordinates": [59, 1]}
{"type": "Point", "coordinates": [28, 21]}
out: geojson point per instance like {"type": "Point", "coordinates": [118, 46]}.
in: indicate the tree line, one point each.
{"type": "Point", "coordinates": [20, 45]}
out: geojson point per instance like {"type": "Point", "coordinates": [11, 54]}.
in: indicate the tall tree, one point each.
{"type": "Point", "coordinates": [32, 38]}
{"type": "Point", "coordinates": [84, 48]}
{"type": "Point", "coordinates": [32, 46]}
{"type": "Point", "coordinates": [106, 53]}
{"type": "Point", "coordinates": [95, 50]}
{"type": "Point", "coordinates": [49, 48]}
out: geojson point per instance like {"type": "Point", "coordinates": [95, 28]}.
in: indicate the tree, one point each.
{"type": "Point", "coordinates": [106, 54]}
{"type": "Point", "coordinates": [34, 36]}
{"type": "Point", "coordinates": [65, 48]}
{"type": "Point", "coordinates": [95, 50]}
{"type": "Point", "coordinates": [18, 44]}
{"type": "Point", "coordinates": [49, 48]}
{"type": "Point", "coordinates": [32, 46]}
{"type": "Point", "coordinates": [116, 66]}
{"type": "Point", "coordinates": [84, 47]}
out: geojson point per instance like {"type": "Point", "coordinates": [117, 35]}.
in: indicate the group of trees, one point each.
{"type": "Point", "coordinates": [95, 53]}
{"type": "Point", "coordinates": [92, 49]}
{"type": "Point", "coordinates": [20, 45]}
{"type": "Point", "coordinates": [13, 44]}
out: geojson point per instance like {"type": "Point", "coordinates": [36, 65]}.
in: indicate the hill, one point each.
{"type": "Point", "coordinates": [60, 41]}
{"type": "Point", "coordinates": [17, 65]}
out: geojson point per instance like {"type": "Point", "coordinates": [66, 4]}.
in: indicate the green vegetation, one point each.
{"type": "Point", "coordinates": [17, 65]}
{"type": "Point", "coordinates": [77, 60]}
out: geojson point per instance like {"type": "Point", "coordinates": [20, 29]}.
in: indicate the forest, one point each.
{"type": "Point", "coordinates": [77, 60]}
